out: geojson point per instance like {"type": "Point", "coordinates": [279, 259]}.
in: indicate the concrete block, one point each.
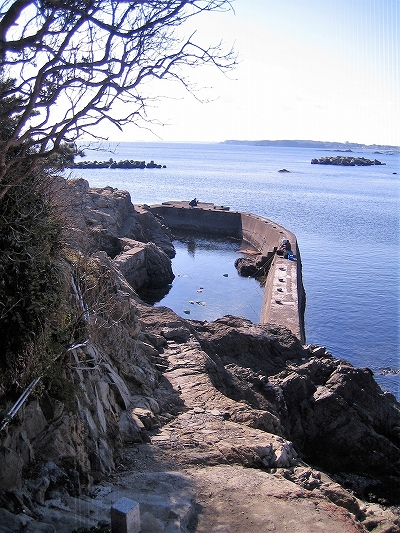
{"type": "Point", "coordinates": [125, 516]}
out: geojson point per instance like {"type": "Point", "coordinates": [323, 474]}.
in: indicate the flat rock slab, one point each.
{"type": "Point", "coordinates": [223, 499]}
{"type": "Point", "coordinates": [238, 500]}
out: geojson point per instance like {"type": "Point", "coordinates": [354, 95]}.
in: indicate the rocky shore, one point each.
{"type": "Point", "coordinates": [346, 161]}
{"type": "Point", "coordinates": [224, 425]}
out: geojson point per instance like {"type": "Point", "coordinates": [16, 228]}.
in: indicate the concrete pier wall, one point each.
{"type": "Point", "coordinates": [205, 218]}
{"type": "Point", "coordinates": [284, 295]}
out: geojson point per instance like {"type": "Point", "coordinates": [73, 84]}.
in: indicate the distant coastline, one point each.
{"type": "Point", "coordinates": [327, 145]}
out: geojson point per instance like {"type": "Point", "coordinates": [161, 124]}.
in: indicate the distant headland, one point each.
{"type": "Point", "coordinates": [327, 145]}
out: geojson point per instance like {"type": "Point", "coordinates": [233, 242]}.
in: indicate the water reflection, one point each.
{"type": "Point", "coordinates": [191, 246]}
{"type": "Point", "coordinates": [153, 296]}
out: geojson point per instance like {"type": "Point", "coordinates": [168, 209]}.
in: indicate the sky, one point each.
{"type": "Point", "coordinates": [308, 69]}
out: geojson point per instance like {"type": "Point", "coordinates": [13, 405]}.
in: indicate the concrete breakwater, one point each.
{"type": "Point", "coordinates": [126, 163]}
{"type": "Point", "coordinates": [284, 296]}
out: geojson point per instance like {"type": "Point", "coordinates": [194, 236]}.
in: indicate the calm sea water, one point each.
{"type": "Point", "coordinates": [346, 220]}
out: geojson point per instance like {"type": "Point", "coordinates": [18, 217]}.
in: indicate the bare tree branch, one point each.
{"type": "Point", "coordinates": [72, 62]}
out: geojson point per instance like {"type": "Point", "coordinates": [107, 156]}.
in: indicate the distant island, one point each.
{"type": "Point", "coordinates": [327, 145]}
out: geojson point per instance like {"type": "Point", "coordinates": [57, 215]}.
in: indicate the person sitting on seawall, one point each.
{"type": "Point", "coordinates": [285, 249]}
{"type": "Point", "coordinates": [193, 202]}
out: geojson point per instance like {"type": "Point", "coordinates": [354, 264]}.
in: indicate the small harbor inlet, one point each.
{"type": "Point", "coordinates": [260, 233]}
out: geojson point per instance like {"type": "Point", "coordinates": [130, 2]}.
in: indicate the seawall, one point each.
{"type": "Point", "coordinates": [284, 295]}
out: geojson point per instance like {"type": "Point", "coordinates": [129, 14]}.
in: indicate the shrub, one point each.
{"type": "Point", "coordinates": [31, 278]}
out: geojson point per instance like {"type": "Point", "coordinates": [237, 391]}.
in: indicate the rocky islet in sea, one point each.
{"type": "Point", "coordinates": [348, 161]}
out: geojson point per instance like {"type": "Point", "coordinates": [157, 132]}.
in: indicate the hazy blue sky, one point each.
{"type": "Point", "coordinates": [309, 69]}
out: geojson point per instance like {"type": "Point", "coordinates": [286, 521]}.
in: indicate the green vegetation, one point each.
{"type": "Point", "coordinates": [32, 283]}
{"type": "Point", "coordinates": [64, 156]}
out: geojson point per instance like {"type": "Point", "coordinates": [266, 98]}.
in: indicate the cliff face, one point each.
{"type": "Point", "coordinates": [153, 393]}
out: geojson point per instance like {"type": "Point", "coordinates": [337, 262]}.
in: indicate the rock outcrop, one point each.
{"type": "Point", "coordinates": [207, 424]}
{"type": "Point", "coordinates": [322, 405]}
{"type": "Point", "coordinates": [346, 161]}
{"type": "Point", "coordinates": [325, 406]}
{"type": "Point", "coordinates": [105, 219]}
{"type": "Point", "coordinates": [253, 266]}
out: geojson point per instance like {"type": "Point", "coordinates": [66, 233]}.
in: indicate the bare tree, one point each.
{"type": "Point", "coordinates": [71, 62]}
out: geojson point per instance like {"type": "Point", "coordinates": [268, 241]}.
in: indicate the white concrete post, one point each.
{"type": "Point", "coordinates": [125, 516]}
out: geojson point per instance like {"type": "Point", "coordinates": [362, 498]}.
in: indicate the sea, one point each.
{"type": "Point", "coordinates": [346, 220]}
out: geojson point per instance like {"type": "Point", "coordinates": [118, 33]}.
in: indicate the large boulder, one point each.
{"type": "Point", "coordinates": [144, 265]}
{"type": "Point", "coordinates": [332, 408]}
{"type": "Point", "coordinates": [254, 266]}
